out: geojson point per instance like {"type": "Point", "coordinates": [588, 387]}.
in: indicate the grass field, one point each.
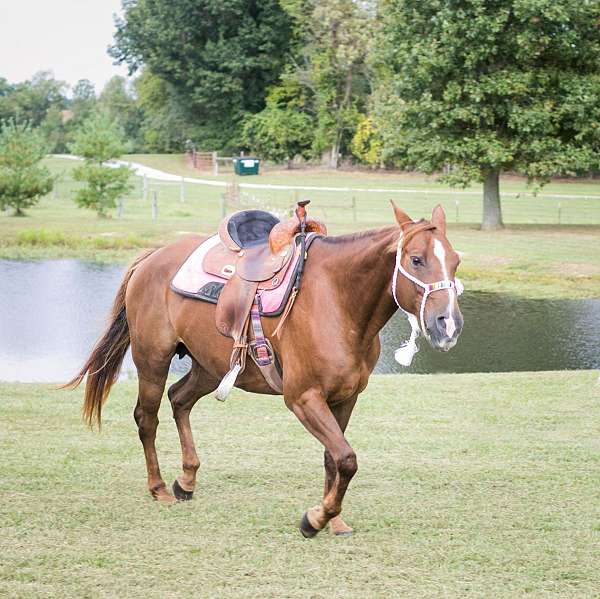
{"type": "Point", "coordinates": [533, 259]}
{"type": "Point", "coordinates": [486, 486]}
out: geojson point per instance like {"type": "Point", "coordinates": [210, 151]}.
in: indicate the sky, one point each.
{"type": "Point", "coordinates": [67, 37]}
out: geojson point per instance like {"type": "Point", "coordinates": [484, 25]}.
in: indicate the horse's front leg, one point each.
{"type": "Point", "coordinates": [312, 410]}
{"type": "Point", "coordinates": [342, 412]}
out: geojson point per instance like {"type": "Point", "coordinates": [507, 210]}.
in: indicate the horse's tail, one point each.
{"type": "Point", "coordinates": [104, 364]}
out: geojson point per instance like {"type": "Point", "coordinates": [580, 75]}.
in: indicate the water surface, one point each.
{"type": "Point", "coordinates": [52, 311]}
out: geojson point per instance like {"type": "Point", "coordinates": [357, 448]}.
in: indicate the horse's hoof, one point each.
{"type": "Point", "coordinates": [159, 493]}
{"type": "Point", "coordinates": [339, 528]}
{"type": "Point", "coordinates": [165, 499]}
{"type": "Point", "coordinates": [181, 494]}
{"type": "Point", "coordinates": [344, 533]}
{"type": "Point", "coordinates": [306, 528]}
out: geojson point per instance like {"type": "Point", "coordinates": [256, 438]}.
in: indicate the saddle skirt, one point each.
{"type": "Point", "coordinates": [198, 278]}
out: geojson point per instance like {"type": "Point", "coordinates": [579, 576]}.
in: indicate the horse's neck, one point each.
{"type": "Point", "coordinates": [363, 268]}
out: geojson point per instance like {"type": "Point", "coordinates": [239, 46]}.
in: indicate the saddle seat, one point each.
{"type": "Point", "coordinates": [245, 239]}
{"type": "Point", "coordinates": [255, 245]}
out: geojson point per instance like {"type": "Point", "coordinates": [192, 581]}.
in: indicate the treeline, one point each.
{"type": "Point", "coordinates": [282, 79]}
{"type": "Point", "coordinates": [57, 111]}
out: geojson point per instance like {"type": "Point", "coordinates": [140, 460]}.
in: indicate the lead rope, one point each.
{"type": "Point", "coordinates": [405, 353]}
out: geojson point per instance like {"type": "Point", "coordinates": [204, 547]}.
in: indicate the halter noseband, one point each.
{"type": "Point", "coordinates": [405, 353]}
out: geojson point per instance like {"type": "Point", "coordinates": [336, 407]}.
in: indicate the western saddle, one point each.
{"type": "Point", "coordinates": [254, 251]}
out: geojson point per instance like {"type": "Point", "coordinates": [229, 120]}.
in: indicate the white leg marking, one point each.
{"type": "Point", "coordinates": [440, 254]}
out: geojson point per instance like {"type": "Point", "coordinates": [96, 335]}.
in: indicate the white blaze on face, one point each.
{"type": "Point", "coordinates": [440, 253]}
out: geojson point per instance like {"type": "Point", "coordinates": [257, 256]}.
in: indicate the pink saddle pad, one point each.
{"type": "Point", "coordinates": [194, 282]}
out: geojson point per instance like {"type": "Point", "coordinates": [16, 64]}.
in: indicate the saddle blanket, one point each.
{"type": "Point", "coordinates": [193, 281]}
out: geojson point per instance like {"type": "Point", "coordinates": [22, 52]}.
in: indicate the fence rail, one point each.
{"type": "Point", "coordinates": [349, 209]}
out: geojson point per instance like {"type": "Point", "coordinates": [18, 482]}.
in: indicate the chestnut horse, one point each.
{"type": "Point", "coordinates": [327, 347]}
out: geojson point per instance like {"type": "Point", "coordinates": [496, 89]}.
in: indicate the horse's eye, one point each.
{"type": "Point", "coordinates": [416, 261]}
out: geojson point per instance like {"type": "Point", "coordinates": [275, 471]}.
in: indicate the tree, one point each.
{"type": "Point", "coordinates": [31, 100]}
{"type": "Point", "coordinates": [83, 101]}
{"type": "Point", "coordinates": [316, 107]}
{"type": "Point", "coordinates": [338, 45]}
{"type": "Point", "coordinates": [487, 86]}
{"type": "Point", "coordinates": [164, 125]}
{"type": "Point", "coordinates": [283, 129]}
{"type": "Point", "coordinates": [98, 140]}
{"type": "Point", "coordinates": [218, 56]}
{"type": "Point", "coordinates": [118, 101]}
{"type": "Point", "coordinates": [22, 180]}
{"type": "Point", "coordinates": [366, 144]}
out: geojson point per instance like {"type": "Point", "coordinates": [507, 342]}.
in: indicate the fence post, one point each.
{"type": "Point", "coordinates": [559, 213]}
{"type": "Point", "coordinates": [182, 191]}
{"type": "Point", "coordinates": [457, 203]}
{"type": "Point", "coordinates": [154, 205]}
{"type": "Point", "coordinates": [215, 164]}
{"type": "Point", "coordinates": [354, 208]}
{"type": "Point", "coordinates": [120, 208]}
{"type": "Point", "coordinates": [145, 187]}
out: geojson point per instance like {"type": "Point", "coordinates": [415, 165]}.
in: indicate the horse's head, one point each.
{"type": "Point", "coordinates": [424, 279]}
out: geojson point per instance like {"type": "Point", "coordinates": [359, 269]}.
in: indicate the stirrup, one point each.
{"type": "Point", "coordinates": [226, 385]}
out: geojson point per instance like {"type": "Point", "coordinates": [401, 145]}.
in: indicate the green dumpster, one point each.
{"type": "Point", "coordinates": [246, 165]}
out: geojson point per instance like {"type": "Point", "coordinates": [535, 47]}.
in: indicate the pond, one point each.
{"type": "Point", "coordinates": [52, 311]}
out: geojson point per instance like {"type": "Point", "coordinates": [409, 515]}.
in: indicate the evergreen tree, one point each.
{"type": "Point", "coordinates": [22, 180]}
{"type": "Point", "coordinates": [98, 140]}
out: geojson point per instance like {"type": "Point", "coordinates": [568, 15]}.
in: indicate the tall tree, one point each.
{"type": "Point", "coordinates": [487, 86]}
{"type": "Point", "coordinates": [23, 181]}
{"type": "Point", "coordinates": [338, 42]}
{"type": "Point", "coordinates": [323, 90]}
{"type": "Point", "coordinates": [219, 56]}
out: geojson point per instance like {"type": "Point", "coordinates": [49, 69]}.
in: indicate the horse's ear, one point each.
{"type": "Point", "coordinates": [438, 218]}
{"type": "Point", "coordinates": [401, 217]}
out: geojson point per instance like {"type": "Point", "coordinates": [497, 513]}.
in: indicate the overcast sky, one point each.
{"type": "Point", "coordinates": [68, 37]}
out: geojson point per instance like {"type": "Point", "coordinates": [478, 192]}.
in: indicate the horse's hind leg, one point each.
{"type": "Point", "coordinates": [151, 387]}
{"type": "Point", "coordinates": [183, 395]}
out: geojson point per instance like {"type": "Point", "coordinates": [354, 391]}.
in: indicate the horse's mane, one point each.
{"type": "Point", "coordinates": [358, 236]}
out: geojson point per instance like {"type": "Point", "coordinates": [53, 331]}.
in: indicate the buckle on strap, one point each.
{"type": "Point", "coordinates": [262, 353]}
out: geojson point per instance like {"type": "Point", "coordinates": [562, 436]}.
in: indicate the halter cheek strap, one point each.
{"type": "Point", "coordinates": [404, 354]}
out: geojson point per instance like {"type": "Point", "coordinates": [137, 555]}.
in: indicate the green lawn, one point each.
{"type": "Point", "coordinates": [487, 485]}
{"type": "Point", "coordinates": [532, 258]}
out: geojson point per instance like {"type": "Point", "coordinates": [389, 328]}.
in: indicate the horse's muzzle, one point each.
{"type": "Point", "coordinates": [444, 330]}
